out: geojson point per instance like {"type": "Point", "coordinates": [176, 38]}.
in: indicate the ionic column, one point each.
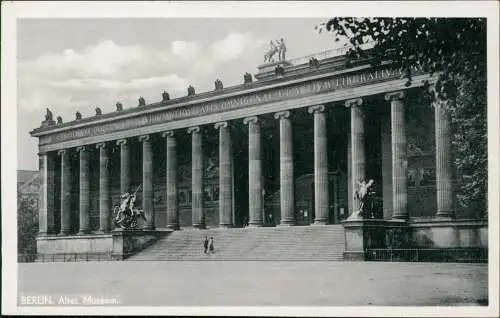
{"type": "Point", "coordinates": [47, 187]}
{"type": "Point", "coordinates": [65, 193]}
{"type": "Point", "coordinates": [254, 172]}
{"type": "Point", "coordinates": [104, 206]}
{"type": "Point", "coordinates": [198, 216]}
{"type": "Point", "coordinates": [147, 183]}
{"type": "Point", "coordinates": [84, 191]}
{"type": "Point", "coordinates": [321, 195]}
{"type": "Point", "coordinates": [124, 166]}
{"type": "Point", "coordinates": [444, 182]}
{"type": "Point", "coordinates": [287, 186]}
{"type": "Point", "coordinates": [399, 156]}
{"type": "Point", "coordinates": [357, 148]}
{"type": "Point", "coordinates": [225, 176]}
{"type": "Point", "coordinates": [172, 210]}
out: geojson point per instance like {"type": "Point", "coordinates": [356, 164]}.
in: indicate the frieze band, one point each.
{"type": "Point", "coordinates": [293, 91]}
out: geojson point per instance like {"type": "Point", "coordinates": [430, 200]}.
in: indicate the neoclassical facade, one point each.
{"type": "Point", "coordinates": [289, 148]}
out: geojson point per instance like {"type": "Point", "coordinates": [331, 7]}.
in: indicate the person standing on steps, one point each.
{"type": "Point", "coordinates": [205, 244]}
{"type": "Point", "coordinates": [211, 244]}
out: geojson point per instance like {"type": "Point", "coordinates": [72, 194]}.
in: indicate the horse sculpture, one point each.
{"type": "Point", "coordinates": [126, 214]}
{"type": "Point", "coordinates": [272, 50]}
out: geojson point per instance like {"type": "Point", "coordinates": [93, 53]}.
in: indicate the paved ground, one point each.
{"type": "Point", "coordinates": [261, 283]}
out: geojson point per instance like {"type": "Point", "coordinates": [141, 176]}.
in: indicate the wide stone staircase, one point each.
{"type": "Point", "coordinates": [322, 242]}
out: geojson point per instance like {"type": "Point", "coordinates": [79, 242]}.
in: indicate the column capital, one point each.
{"type": "Point", "coordinates": [62, 152]}
{"type": "Point", "coordinates": [81, 148]}
{"type": "Point", "coordinates": [101, 145]}
{"type": "Point", "coordinates": [169, 133]}
{"type": "Point", "coordinates": [316, 109]}
{"type": "Point", "coordinates": [222, 124]}
{"type": "Point", "coordinates": [398, 95]}
{"type": "Point", "coordinates": [282, 115]}
{"type": "Point", "coordinates": [120, 142]}
{"type": "Point", "coordinates": [144, 138]}
{"type": "Point", "coordinates": [353, 102]}
{"type": "Point", "coordinates": [194, 129]}
{"type": "Point", "coordinates": [252, 120]}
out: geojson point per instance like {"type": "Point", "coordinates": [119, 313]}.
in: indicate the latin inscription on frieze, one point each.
{"type": "Point", "coordinates": [271, 95]}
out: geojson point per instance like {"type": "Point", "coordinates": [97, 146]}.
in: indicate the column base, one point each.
{"type": "Point", "coordinates": [103, 231]}
{"type": "Point", "coordinates": [256, 224]}
{"type": "Point", "coordinates": [83, 232]}
{"type": "Point", "coordinates": [199, 226]}
{"type": "Point", "coordinates": [444, 216]}
{"type": "Point", "coordinates": [148, 228]}
{"type": "Point", "coordinates": [286, 223]}
{"type": "Point", "coordinates": [174, 227]}
{"type": "Point", "coordinates": [226, 226]}
{"type": "Point", "coordinates": [320, 222]}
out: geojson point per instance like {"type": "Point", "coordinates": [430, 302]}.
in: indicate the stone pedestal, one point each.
{"type": "Point", "coordinates": [171, 172]}
{"type": "Point", "coordinates": [198, 215]}
{"type": "Point", "coordinates": [254, 172]}
{"type": "Point", "coordinates": [287, 181]}
{"type": "Point", "coordinates": [360, 235]}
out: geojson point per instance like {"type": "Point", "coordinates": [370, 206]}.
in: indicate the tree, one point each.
{"type": "Point", "coordinates": [27, 225]}
{"type": "Point", "coordinates": [454, 49]}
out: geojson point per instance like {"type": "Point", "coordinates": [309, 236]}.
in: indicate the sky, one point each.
{"type": "Point", "coordinates": [71, 65]}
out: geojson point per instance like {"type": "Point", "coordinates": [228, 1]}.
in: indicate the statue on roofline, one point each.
{"type": "Point", "coordinates": [98, 111]}
{"type": "Point", "coordinates": [142, 101]}
{"type": "Point", "coordinates": [126, 214]}
{"type": "Point", "coordinates": [119, 106]}
{"type": "Point", "coordinates": [247, 78]}
{"type": "Point", "coordinates": [59, 120]}
{"type": "Point", "coordinates": [78, 115]}
{"type": "Point", "coordinates": [165, 96]}
{"type": "Point", "coordinates": [218, 85]}
{"type": "Point", "coordinates": [48, 115]}
{"type": "Point", "coordinates": [191, 91]}
{"type": "Point", "coordinates": [273, 49]}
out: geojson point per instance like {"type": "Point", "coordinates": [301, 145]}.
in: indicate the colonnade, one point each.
{"type": "Point", "coordinates": [255, 185]}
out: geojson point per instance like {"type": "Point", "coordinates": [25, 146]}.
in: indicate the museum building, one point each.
{"type": "Point", "coordinates": [290, 146]}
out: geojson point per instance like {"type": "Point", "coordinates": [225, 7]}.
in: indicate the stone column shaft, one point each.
{"type": "Point", "coordinates": [104, 206]}
{"type": "Point", "coordinates": [198, 216]}
{"type": "Point", "coordinates": [321, 194]}
{"type": "Point", "coordinates": [357, 148]}
{"type": "Point", "coordinates": [254, 172]}
{"type": "Point", "coordinates": [84, 191]}
{"type": "Point", "coordinates": [172, 209]}
{"type": "Point", "coordinates": [399, 156]}
{"type": "Point", "coordinates": [444, 161]}
{"type": "Point", "coordinates": [287, 181]}
{"type": "Point", "coordinates": [65, 193]}
{"type": "Point", "coordinates": [47, 187]}
{"type": "Point", "coordinates": [147, 183]}
{"type": "Point", "coordinates": [225, 176]}
{"type": "Point", "coordinates": [124, 166]}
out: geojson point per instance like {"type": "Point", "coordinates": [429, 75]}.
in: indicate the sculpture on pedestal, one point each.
{"type": "Point", "coordinates": [191, 91]}
{"type": "Point", "coordinates": [78, 115]}
{"type": "Point", "coordinates": [364, 195]}
{"type": "Point", "coordinates": [281, 50]}
{"type": "Point", "coordinates": [98, 111]}
{"type": "Point", "coordinates": [119, 106]}
{"type": "Point", "coordinates": [59, 120]}
{"type": "Point", "coordinates": [126, 214]}
{"type": "Point", "coordinates": [313, 62]}
{"type": "Point", "coordinates": [273, 49]}
{"type": "Point", "coordinates": [165, 96]}
{"type": "Point", "coordinates": [142, 101]}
